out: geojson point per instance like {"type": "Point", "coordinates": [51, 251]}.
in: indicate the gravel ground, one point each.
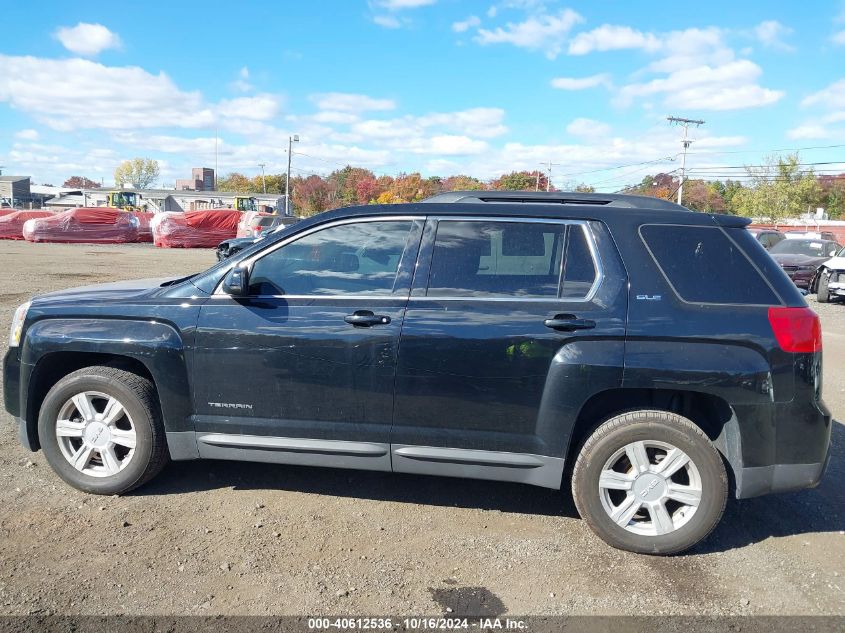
{"type": "Point", "coordinates": [235, 538]}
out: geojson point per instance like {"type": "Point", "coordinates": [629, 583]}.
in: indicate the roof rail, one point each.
{"type": "Point", "coordinates": [557, 197]}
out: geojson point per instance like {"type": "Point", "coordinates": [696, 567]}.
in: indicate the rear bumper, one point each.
{"type": "Point", "coordinates": [753, 482]}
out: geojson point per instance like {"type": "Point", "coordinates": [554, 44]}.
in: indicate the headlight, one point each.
{"type": "Point", "coordinates": [17, 324]}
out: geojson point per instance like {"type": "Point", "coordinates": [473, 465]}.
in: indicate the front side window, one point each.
{"type": "Point", "coordinates": [508, 259]}
{"type": "Point", "coordinates": [355, 259]}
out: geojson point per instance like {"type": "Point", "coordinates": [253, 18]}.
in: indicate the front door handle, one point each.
{"type": "Point", "coordinates": [365, 318]}
{"type": "Point", "coordinates": [569, 323]}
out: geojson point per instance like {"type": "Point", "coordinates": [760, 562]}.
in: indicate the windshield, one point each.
{"type": "Point", "coordinates": [812, 248]}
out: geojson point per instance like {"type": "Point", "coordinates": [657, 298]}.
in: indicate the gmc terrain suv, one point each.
{"type": "Point", "coordinates": [625, 346]}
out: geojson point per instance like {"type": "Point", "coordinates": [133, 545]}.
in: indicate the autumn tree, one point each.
{"type": "Point", "coordinates": [140, 173]}
{"type": "Point", "coordinates": [81, 182]}
{"type": "Point", "coordinates": [462, 183]}
{"type": "Point", "coordinates": [311, 195]}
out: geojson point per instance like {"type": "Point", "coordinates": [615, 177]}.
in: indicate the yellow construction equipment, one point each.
{"type": "Point", "coordinates": [126, 200]}
{"type": "Point", "coordinates": [245, 203]}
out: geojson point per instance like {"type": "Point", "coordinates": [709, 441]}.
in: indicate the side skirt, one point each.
{"type": "Point", "coordinates": [536, 470]}
{"type": "Point", "coordinates": [298, 451]}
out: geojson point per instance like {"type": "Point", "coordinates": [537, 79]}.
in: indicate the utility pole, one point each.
{"type": "Point", "coordinates": [537, 187]}
{"type": "Point", "coordinates": [216, 134]}
{"type": "Point", "coordinates": [263, 182]}
{"type": "Point", "coordinates": [549, 180]}
{"type": "Point", "coordinates": [685, 123]}
{"type": "Point", "coordinates": [291, 140]}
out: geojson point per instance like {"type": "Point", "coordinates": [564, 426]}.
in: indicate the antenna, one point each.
{"type": "Point", "coordinates": [685, 123]}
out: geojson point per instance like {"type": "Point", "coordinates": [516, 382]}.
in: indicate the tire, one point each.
{"type": "Point", "coordinates": [692, 495]}
{"type": "Point", "coordinates": [823, 292]}
{"type": "Point", "coordinates": [115, 455]}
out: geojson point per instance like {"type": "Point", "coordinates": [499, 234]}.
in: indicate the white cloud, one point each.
{"type": "Point", "coordinates": [545, 33]}
{"type": "Point", "coordinates": [830, 106]}
{"type": "Point", "coordinates": [770, 33]}
{"type": "Point", "coordinates": [465, 25]}
{"type": "Point", "coordinates": [349, 102]}
{"type": "Point", "coordinates": [483, 122]}
{"type": "Point", "coordinates": [68, 94]}
{"type": "Point", "coordinates": [27, 135]}
{"type": "Point", "coordinates": [581, 83]}
{"type": "Point", "coordinates": [731, 86]}
{"type": "Point", "coordinates": [698, 70]}
{"type": "Point", "coordinates": [77, 93]}
{"type": "Point", "coordinates": [838, 38]}
{"type": "Point", "coordinates": [833, 96]}
{"type": "Point", "coordinates": [588, 128]}
{"type": "Point", "coordinates": [387, 21]}
{"type": "Point", "coordinates": [259, 108]}
{"type": "Point", "coordinates": [87, 39]}
{"type": "Point", "coordinates": [609, 37]}
{"type": "Point", "coordinates": [330, 116]}
{"type": "Point", "coordinates": [450, 145]}
{"type": "Point", "coordinates": [397, 5]}
{"type": "Point", "coordinates": [808, 131]}
{"type": "Point", "coordinates": [241, 84]}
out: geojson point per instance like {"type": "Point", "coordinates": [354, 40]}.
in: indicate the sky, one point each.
{"type": "Point", "coordinates": [437, 86]}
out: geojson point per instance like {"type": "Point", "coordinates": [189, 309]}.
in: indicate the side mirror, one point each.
{"type": "Point", "coordinates": [236, 282]}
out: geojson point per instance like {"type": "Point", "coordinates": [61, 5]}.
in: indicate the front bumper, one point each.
{"type": "Point", "coordinates": [801, 278]}
{"type": "Point", "coordinates": [837, 288]}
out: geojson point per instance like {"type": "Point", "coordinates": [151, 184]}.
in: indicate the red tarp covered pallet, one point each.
{"type": "Point", "coordinates": [11, 224]}
{"type": "Point", "coordinates": [84, 224]}
{"type": "Point", "coordinates": [194, 229]}
{"type": "Point", "coordinates": [145, 233]}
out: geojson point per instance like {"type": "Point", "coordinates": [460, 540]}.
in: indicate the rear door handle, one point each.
{"type": "Point", "coordinates": [365, 318]}
{"type": "Point", "coordinates": [569, 323]}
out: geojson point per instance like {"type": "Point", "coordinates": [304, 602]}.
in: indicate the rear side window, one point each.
{"type": "Point", "coordinates": [490, 259]}
{"type": "Point", "coordinates": [704, 266]}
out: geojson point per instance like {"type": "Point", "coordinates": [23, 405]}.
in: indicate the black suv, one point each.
{"type": "Point", "coordinates": [626, 346]}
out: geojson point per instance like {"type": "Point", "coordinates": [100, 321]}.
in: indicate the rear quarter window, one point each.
{"type": "Point", "coordinates": [703, 266]}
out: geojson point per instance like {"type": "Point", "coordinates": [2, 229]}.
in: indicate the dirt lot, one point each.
{"type": "Point", "coordinates": [235, 538]}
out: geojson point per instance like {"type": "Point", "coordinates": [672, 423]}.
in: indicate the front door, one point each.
{"type": "Point", "coordinates": [513, 323]}
{"type": "Point", "coordinates": [302, 370]}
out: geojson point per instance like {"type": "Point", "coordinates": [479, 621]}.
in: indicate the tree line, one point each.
{"type": "Point", "coordinates": [780, 188]}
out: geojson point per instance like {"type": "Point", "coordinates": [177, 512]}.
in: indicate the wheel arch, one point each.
{"type": "Point", "coordinates": [53, 366]}
{"type": "Point", "coordinates": [712, 414]}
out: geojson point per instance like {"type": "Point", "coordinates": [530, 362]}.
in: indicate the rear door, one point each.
{"type": "Point", "coordinates": [510, 324]}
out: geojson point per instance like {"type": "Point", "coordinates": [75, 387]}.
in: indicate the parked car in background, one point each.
{"type": "Point", "coordinates": [767, 237]}
{"type": "Point", "coordinates": [253, 223]}
{"type": "Point", "coordinates": [829, 282]}
{"type": "Point", "coordinates": [551, 339]}
{"type": "Point", "coordinates": [229, 247]}
{"type": "Point", "coordinates": [800, 258]}
{"type": "Point", "coordinates": [814, 235]}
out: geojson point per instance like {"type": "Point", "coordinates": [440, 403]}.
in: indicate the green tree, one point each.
{"type": "Point", "coordinates": [779, 189]}
{"type": "Point", "coordinates": [519, 181]}
{"type": "Point", "coordinates": [237, 183]}
{"type": "Point", "coordinates": [141, 173]}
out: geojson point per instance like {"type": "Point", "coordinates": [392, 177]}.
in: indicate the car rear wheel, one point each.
{"type": "Point", "coordinates": [650, 482]}
{"type": "Point", "coordinates": [101, 431]}
{"type": "Point", "coordinates": [823, 292]}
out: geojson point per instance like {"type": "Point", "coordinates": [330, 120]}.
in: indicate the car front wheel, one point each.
{"type": "Point", "coordinates": [823, 292]}
{"type": "Point", "coordinates": [650, 482]}
{"type": "Point", "coordinates": [101, 431]}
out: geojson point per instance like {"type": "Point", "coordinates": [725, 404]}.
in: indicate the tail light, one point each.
{"type": "Point", "coordinates": [796, 329]}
